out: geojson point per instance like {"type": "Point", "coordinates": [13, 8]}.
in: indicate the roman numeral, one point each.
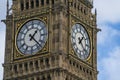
{"type": "Point", "coordinates": [21, 32]}
{"type": "Point", "coordinates": [22, 45]}
{"type": "Point", "coordinates": [43, 34]}
{"type": "Point", "coordinates": [41, 41]}
{"type": "Point", "coordinates": [88, 45]}
{"type": "Point", "coordinates": [42, 28]}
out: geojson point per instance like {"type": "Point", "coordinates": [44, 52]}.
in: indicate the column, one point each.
{"type": "Point", "coordinates": [23, 68]}
{"type": "Point", "coordinates": [45, 3]}
{"type": "Point", "coordinates": [34, 3]}
{"type": "Point", "coordinates": [40, 3]}
{"type": "Point", "coordinates": [17, 70]}
{"type": "Point", "coordinates": [39, 65]}
{"type": "Point", "coordinates": [28, 67]}
{"type": "Point", "coordinates": [29, 4]}
{"type": "Point", "coordinates": [33, 66]}
{"type": "Point", "coordinates": [24, 2]}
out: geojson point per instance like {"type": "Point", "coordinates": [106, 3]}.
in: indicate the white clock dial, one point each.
{"type": "Point", "coordinates": [80, 41]}
{"type": "Point", "coordinates": [31, 37]}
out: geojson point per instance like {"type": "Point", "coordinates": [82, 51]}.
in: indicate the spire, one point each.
{"type": "Point", "coordinates": [7, 7]}
{"type": "Point", "coordinates": [95, 11]}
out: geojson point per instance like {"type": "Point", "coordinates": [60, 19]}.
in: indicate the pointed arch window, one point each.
{"type": "Point", "coordinates": [48, 77]}
{"type": "Point", "coordinates": [72, 3]}
{"type": "Point", "coordinates": [47, 62]}
{"type": "Point", "coordinates": [20, 66]}
{"type": "Point", "coordinates": [66, 78]}
{"type": "Point", "coordinates": [37, 3]}
{"type": "Point", "coordinates": [32, 4]}
{"type": "Point", "coordinates": [52, 2]}
{"type": "Point", "coordinates": [27, 5]}
{"type": "Point", "coordinates": [47, 1]}
{"type": "Point", "coordinates": [43, 77]}
{"type": "Point", "coordinates": [42, 2]}
{"type": "Point", "coordinates": [15, 68]}
{"type": "Point", "coordinates": [38, 78]}
{"type": "Point", "coordinates": [36, 64]}
{"type": "Point", "coordinates": [26, 66]}
{"type": "Point", "coordinates": [22, 5]}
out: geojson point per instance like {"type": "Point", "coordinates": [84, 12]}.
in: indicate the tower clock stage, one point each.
{"type": "Point", "coordinates": [80, 41]}
{"type": "Point", "coordinates": [31, 37]}
{"type": "Point", "coordinates": [50, 40]}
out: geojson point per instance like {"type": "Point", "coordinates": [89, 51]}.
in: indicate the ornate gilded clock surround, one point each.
{"type": "Point", "coordinates": [17, 54]}
{"type": "Point", "coordinates": [90, 34]}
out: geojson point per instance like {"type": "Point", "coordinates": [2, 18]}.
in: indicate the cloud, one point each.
{"type": "Point", "coordinates": [108, 10]}
{"type": "Point", "coordinates": [107, 35]}
{"type": "Point", "coordinates": [108, 39]}
{"type": "Point", "coordinates": [110, 66]}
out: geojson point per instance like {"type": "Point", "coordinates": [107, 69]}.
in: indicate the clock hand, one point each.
{"type": "Point", "coordinates": [32, 36]}
{"type": "Point", "coordinates": [35, 40]}
{"type": "Point", "coordinates": [80, 40]}
{"type": "Point", "coordinates": [83, 48]}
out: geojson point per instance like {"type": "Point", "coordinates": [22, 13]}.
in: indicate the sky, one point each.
{"type": "Point", "coordinates": [108, 19]}
{"type": "Point", "coordinates": [108, 40]}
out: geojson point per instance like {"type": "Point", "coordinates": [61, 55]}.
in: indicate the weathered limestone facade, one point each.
{"type": "Point", "coordinates": [57, 60]}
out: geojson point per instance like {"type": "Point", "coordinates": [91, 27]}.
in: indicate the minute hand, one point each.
{"type": "Point", "coordinates": [32, 36]}
{"type": "Point", "coordinates": [83, 47]}
{"type": "Point", "coordinates": [35, 40]}
{"type": "Point", "coordinates": [80, 40]}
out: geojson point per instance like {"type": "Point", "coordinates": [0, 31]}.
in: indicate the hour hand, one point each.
{"type": "Point", "coordinates": [34, 39]}
{"type": "Point", "coordinates": [32, 36]}
{"type": "Point", "coordinates": [80, 40]}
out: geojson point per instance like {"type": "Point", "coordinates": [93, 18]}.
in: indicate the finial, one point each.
{"type": "Point", "coordinates": [95, 11]}
{"type": "Point", "coordinates": [7, 7]}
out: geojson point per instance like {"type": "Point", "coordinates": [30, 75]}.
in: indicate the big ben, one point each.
{"type": "Point", "coordinates": [51, 40]}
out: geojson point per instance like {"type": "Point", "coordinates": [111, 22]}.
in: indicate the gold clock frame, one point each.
{"type": "Point", "coordinates": [17, 53]}
{"type": "Point", "coordinates": [89, 32]}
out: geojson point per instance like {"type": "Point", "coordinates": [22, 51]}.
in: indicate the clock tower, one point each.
{"type": "Point", "coordinates": [50, 40]}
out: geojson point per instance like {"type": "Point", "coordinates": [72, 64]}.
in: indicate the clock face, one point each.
{"type": "Point", "coordinates": [80, 41]}
{"type": "Point", "coordinates": [31, 37]}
